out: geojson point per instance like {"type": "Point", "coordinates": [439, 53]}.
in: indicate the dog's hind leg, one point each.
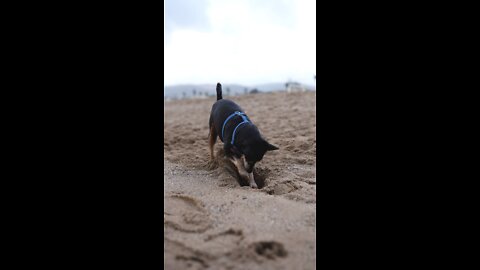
{"type": "Point", "coordinates": [212, 139]}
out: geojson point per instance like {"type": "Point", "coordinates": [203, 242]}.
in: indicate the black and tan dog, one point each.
{"type": "Point", "coordinates": [243, 144]}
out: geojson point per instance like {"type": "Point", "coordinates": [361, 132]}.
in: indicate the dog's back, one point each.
{"type": "Point", "coordinates": [221, 110]}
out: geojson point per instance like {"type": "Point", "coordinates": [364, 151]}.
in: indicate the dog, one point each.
{"type": "Point", "coordinates": [243, 143]}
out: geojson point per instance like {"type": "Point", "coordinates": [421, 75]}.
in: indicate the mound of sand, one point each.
{"type": "Point", "coordinates": [211, 221]}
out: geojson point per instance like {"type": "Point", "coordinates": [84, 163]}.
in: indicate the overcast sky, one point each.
{"type": "Point", "coordinates": [239, 41]}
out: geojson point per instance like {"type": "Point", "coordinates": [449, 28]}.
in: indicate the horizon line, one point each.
{"type": "Point", "coordinates": [242, 84]}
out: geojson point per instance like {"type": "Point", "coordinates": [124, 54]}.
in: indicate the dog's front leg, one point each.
{"type": "Point", "coordinates": [240, 164]}
{"type": "Point", "coordinates": [252, 180]}
{"type": "Point", "coordinates": [249, 169]}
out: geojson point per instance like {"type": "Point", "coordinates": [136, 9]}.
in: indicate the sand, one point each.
{"type": "Point", "coordinates": [211, 221]}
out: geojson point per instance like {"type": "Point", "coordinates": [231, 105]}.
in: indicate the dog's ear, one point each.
{"type": "Point", "coordinates": [270, 147]}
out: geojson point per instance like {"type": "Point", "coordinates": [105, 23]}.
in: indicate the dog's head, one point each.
{"type": "Point", "coordinates": [253, 150]}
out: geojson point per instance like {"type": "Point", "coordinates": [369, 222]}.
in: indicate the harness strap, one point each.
{"type": "Point", "coordinates": [244, 118]}
{"type": "Point", "coordinates": [233, 135]}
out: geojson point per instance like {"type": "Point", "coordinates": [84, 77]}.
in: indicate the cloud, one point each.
{"type": "Point", "coordinates": [248, 42]}
{"type": "Point", "coordinates": [186, 14]}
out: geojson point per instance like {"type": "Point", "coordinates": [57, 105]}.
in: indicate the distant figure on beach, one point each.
{"type": "Point", "coordinates": [294, 87]}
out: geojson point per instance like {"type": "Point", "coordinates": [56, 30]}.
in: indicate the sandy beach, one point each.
{"type": "Point", "coordinates": [210, 220]}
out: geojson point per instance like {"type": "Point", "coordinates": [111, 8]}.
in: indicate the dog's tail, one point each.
{"type": "Point", "coordinates": [219, 91]}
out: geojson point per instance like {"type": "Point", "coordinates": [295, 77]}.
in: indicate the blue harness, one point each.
{"type": "Point", "coordinates": [245, 120]}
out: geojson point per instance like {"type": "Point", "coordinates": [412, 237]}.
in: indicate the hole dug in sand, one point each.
{"type": "Point", "coordinates": [270, 249]}
{"type": "Point", "coordinates": [260, 174]}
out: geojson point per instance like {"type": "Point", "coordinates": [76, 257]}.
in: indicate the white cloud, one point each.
{"type": "Point", "coordinates": [247, 42]}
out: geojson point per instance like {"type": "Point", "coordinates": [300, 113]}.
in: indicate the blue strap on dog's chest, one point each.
{"type": "Point", "coordinates": [244, 118]}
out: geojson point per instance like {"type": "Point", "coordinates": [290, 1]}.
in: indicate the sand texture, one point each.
{"type": "Point", "coordinates": [211, 221]}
